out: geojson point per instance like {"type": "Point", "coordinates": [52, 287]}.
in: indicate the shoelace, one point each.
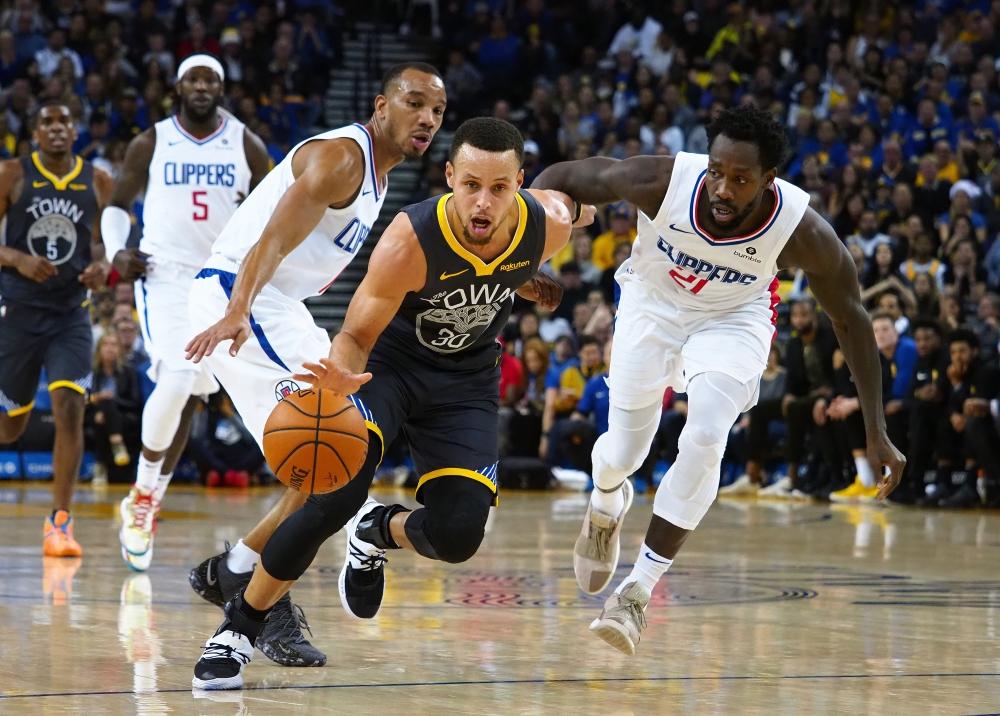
{"type": "Point", "coordinates": [633, 609]}
{"type": "Point", "coordinates": [292, 619]}
{"type": "Point", "coordinates": [602, 541]}
{"type": "Point", "coordinates": [368, 562]}
{"type": "Point", "coordinates": [222, 652]}
{"type": "Point", "coordinates": [141, 509]}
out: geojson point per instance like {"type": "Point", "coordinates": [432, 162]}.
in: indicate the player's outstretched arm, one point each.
{"type": "Point", "coordinates": [36, 268]}
{"type": "Point", "coordinates": [327, 173]}
{"type": "Point", "coordinates": [396, 267]}
{"type": "Point", "coordinates": [598, 180]}
{"type": "Point", "coordinates": [116, 223]}
{"type": "Point", "coordinates": [816, 249]}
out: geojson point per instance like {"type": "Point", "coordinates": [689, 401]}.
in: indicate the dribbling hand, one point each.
{"type": "Point", "coordinates": [327, 375]}
{"type": "Point", "coordinates": [234, 328]}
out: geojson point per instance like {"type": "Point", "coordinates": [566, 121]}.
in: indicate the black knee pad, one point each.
{"type": "Point", "coordinates": [294, 545]}
{"type": "Point", "coordinates": [452, 525]}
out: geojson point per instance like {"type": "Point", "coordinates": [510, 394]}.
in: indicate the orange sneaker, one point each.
{"type": "Point", "coordinates": [58, 541]}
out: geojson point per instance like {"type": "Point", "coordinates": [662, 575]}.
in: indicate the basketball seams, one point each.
{"type": "Point", "coordinates": [311, 428]}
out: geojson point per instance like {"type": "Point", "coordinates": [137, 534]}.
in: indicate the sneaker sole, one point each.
{"type": "Point", "coordinates": [137, 562]}
{"type": "Point", "coordinates": [578, 562]}
{"type": "Point", "coordinates": [233, 682]}
{"type": "Point", "coordinates": [614, 634]}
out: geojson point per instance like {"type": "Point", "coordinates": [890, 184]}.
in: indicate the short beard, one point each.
{"type": "Point", "coordinates": [474, 240]}
{"type": "Point", "coordinates": [198, 115]}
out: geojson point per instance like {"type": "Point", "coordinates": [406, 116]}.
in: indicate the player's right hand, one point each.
{"type": "Point", "coordinates": [328, 375]}
{"type": "Point", "coordinates": [35, 268]}
{"type": "Point", "coordinates": [587, 214]}
{"type": "Point", "coordinates": [130, 264]}
{"type": "Point", "coordinates": [231, 328]}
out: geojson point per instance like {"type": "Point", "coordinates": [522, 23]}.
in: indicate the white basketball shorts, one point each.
{"type": "Point", "coordinates": [658, 344]}
{"type": "Point", "coordinates": [161, 299]}
{"type": "Point", "coordinates": [284, 337]}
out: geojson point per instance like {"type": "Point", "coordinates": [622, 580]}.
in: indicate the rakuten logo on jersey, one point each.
{"type": "Point", "coordinates": [701, 271]}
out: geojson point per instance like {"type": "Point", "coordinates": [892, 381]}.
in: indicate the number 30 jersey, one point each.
{"type": "Point", "coordinates": [194, 187]}
{"type": "Point", "coordinates": [697, 270]}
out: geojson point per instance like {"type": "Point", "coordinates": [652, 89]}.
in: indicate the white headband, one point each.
{"type": "Point", "coordinates": [201, 61]}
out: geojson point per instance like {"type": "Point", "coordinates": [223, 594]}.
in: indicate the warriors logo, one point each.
{"type": "Point", "coordinates": [52, 237]}
{"type": "Point", "coordinates": [449, 330]}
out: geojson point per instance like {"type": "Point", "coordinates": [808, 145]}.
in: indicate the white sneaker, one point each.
{"type": "Point", "coordinates": [223, 660]}
{"type": "Point", "coordinates": [595, 554]}
{"type": "Point", "coordinates": [362, 578]}
{"type": "Point", "coordinates": [138, 512]}
{"type": "Point", "coordinates": [623, 618]}
{"type": "Point", "coordinates": [742, 485]}
{"type": "Point", "coordinates": [782, 488]}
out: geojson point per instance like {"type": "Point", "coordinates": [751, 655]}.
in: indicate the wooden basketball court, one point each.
{"type": "Point", "coordinates": [771, 608]}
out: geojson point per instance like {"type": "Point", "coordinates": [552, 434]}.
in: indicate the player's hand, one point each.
{"type": "Point", "coordinates": [881, 452]}
{"type": "Point", "coordinates": [95, 276]}
{"type": "Point", "coordinates": [587, 214]}
{"type": "Point", "coordinates": [327, 375]}
{"type": "Point", "coordinates": [130, 263]}
{"type": "Point", "coordinates": [35, 268]}
{"type": "Point", "coordinates": [976, 407]}
{"type": "Point", "coordinates": [543, 290]}
{"type": "Point", "coordinates": [233, 328]}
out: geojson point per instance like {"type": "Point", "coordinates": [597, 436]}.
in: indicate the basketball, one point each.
{"type": "Point", "coordinates": [315, 441]}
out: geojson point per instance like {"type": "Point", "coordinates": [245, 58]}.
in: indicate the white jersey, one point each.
{"type": "Point", "coordinates": [698, 271]}
{"type": "Point", "coordinates": [193, 190]}
{"type": "Point", "coordinates": [328, 249]}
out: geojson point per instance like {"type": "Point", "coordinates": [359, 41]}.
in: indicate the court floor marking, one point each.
{"type": "Point", "coordinates": [517, 682]}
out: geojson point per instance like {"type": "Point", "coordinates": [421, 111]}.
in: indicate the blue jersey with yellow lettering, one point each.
{"type": "Point", "coordinates": [53, 218]}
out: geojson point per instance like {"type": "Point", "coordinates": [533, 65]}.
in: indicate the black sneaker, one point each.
{"type": "Point", "coordinates": [362, 578]}
{"type": "Point", "coordinates": [964, 496]}
{"type": "Point", "coordinates": [282, 640]}
{"type": "Point", "coordinates": [214, 582]}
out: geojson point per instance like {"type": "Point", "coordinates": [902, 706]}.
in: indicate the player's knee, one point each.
{"type": "Point", "coordinates": [458, 538]}
{"type": "Point", "coordinates": [707, 436]}
{"type": "Point", "coordinates": [12, 428]}
{"type": "Point", "coordinates": [616, 455]}
{"type": "Point", "coordinates": [68, 407]}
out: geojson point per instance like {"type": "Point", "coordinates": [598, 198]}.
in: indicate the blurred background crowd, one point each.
{"type": "Point", "coordinates": [891, 110]}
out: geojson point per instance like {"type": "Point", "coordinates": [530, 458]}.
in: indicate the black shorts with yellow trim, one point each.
{"type": "Point", "coordinates": [448, 417]}
{"type": "Point", "coordinates": [34, 338]}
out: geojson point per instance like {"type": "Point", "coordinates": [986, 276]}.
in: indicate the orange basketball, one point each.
{"type": "Point", "coordinates": [315, 442]}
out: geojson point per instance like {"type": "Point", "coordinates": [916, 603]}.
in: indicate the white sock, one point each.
{"type": "Point", "coordinates": [648, 569]}
{"type": "Point", "coordinates": [865, 473]}
{"type": "Point", "coordinates": [162, 483]}
{"type": "Point", "coordinates": [147, 474]}
{"type": "Point", "coordinates": [610, 503]}
{"type": "Point", "coordinates": [241, 559]}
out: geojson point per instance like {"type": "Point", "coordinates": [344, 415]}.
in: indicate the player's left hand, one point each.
{"type": "Point", "coordinates": [327, 375]}
{"type": "Point", "coordinates": [543, 290]}
{"type": "Point", "coordinates": [881, 452]}
{"type": "Point", "coordinates": [587, 214]}
{"type": "Point", "coordinates": [95, 276]}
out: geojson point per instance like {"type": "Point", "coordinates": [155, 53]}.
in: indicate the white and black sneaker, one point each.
{"type": "Point", "coordinates": [228, 651]}
{"type": "Point", "coordinates": [221, 663]}
{"type": "Point", "coordinates": [362, 578]}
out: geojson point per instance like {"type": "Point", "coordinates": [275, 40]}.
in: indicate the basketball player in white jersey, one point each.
{"type": "Point", "coordinates": [195, 167]}
{"type": "Point", "coordinates": [288, 241]}
{"type": "Point", "coordinates": [697, 311]}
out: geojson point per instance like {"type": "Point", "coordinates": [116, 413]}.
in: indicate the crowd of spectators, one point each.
{"type": "Point", "coordinates": [892, 114]}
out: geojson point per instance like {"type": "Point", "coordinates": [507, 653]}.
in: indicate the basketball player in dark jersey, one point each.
{"type": "Point", "coordinates": [425, 321]}
{"type": "Point", "coordinates": [51, 254]}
